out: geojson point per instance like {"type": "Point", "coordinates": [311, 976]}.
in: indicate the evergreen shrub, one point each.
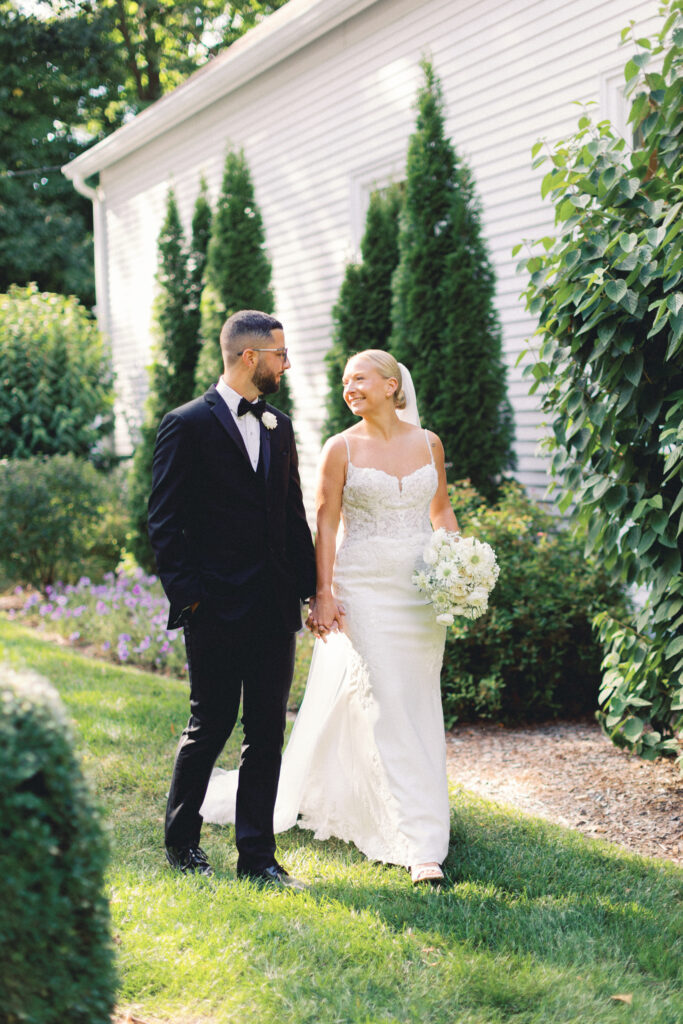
{"type": "Point", "coordinates": [534, 656]}
{"type": "Point", "coordinates": [362, 314]}
{"type": "Point", "coordinates": [177, 346]}
{"type": "Point", "coordinates": [57, 384]}
{"type": "Point", "coordinates": [56, 955]}
{"type": "Point", "coordinates": [445, 324]}
{"type": "Point", "coordinates": [237, 273]}
{"type": "Point", "coordinates": [60, 518]}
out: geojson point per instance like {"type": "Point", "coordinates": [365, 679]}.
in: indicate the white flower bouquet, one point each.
{"type": "Point", "coordinates": [458, 575]}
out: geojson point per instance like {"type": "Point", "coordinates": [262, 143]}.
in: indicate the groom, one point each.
{"type": "Point", "coordinates": [235, 556]}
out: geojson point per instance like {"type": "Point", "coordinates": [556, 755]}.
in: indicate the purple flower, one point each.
{"type": "Point", "coordinates": [74, 637]}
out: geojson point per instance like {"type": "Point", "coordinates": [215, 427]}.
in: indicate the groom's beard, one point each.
{"type": "Point", "coordinates": [265, 381]}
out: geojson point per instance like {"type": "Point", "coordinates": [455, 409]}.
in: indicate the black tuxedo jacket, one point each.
{"type": "Point", "coordinates": [224, 534]}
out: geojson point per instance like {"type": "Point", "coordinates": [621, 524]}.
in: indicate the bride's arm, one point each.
{"type": "Point", "coordinates": [326, 613]}
{"type": "Point", "coordinates": [441, 511]}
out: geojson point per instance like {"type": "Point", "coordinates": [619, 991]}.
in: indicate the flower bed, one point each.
{"type": "Point", "coordinates": [123, 617]}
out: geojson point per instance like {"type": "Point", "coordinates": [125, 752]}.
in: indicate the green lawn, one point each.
{"type": "Point", "coordinates": [537, 924]}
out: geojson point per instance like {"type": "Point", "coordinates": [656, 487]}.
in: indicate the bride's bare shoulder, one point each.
{"type": "Point", "coordinates": [435, 444]}
{"type": "Point", "coordinates": [334, 451]}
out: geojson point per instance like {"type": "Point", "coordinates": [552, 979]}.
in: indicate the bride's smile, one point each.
{"type": "Point", "coordinates": [365, 389]}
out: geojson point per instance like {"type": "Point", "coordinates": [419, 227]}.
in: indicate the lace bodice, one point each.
{"type": "Point", "coordinates": [376, 504]}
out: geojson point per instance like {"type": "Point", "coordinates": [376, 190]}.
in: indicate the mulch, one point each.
{"type": "Point", "coordinates": [571, 774]}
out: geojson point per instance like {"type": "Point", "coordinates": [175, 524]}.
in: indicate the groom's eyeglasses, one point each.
{"type": "Point", "coordinates": [281, 352]}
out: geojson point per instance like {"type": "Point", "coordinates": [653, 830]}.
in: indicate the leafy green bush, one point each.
{"type": "Point", "coordinates": [534, 655]}
{"type": "Point", "coordinates": [59, 518]}
{"type": "Point", "coordinates": [56, 956]}
{"type": "Point", "coordinates": [608, 359]}
{"type": "Point", "coordinates": [56, 392]}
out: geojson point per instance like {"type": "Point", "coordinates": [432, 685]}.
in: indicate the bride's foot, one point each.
{"type": "Point", "coordinates": [430, 872]}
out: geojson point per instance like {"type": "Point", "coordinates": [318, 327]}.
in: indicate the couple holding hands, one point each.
{"type": "Point", "coordinates": [366, 760]}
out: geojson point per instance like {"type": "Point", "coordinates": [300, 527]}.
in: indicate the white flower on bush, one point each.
{"type": "Point", "coordinates": [458, 576]}
{"type": "Point", "coordinates": [269, 420]}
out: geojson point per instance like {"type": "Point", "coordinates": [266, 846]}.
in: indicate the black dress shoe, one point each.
{"type": "Point", "coordinates": [274, 876]}
{"type": "Point", "coordinates": [189, 860]}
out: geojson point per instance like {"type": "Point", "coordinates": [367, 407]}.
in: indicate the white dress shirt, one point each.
{"type": "Point", "coordinates": [248, 425]}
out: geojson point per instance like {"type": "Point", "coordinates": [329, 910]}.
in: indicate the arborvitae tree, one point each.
{"type": "Point", "coordinates": [362, 315]}
{"type": "Point", "coordinates": [171, 375]}
{"type": "Point", "coordinates": [445, 326]}
{"type": "Point", "coordinates": [196, 266]}
{"type": "Point", "coordinates": [238, 271]}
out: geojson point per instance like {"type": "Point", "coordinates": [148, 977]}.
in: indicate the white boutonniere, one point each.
{"type": "Point", "coordinates": [269, 420]}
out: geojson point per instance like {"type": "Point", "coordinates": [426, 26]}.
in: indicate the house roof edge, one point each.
{"type": "Point", "coordinates": [280, 35]}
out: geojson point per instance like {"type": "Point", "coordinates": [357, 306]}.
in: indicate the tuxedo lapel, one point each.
{"type": "Point", "coordinates": [265, 449]}
{"type": "Point", "coordinates": [226, 419]}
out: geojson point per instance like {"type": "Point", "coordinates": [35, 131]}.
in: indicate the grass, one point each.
{"type": "Point", "coordinates": [538, 924]}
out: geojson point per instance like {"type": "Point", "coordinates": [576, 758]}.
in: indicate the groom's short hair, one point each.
{"type": "Point", "coordinates": [242, 327]}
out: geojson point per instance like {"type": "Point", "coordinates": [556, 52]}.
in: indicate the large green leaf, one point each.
{"type": "Point", "coordinates": [616, 289]}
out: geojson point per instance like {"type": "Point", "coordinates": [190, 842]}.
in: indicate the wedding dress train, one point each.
{"type": "Point", "coordinates": [366, 760]}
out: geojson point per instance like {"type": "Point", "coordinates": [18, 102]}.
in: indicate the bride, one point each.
{"type": "Point", "coordinates": [366, 760]}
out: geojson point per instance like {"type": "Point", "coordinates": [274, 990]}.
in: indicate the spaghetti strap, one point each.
{"type": "Point", "coordinates": [429, 448]}
{"type": "Point", "coordinates": [348, 450]}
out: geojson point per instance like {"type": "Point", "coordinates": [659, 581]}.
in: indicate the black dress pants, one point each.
{"type": "Point", "coordinates": [226, 660]}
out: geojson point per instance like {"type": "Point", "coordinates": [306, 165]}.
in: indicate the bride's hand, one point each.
{"type": "Point", "coordinates": [325, 616]}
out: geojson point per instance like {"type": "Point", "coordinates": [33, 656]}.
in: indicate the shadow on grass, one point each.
{"type": "Point", "coordinates": [525, 887]}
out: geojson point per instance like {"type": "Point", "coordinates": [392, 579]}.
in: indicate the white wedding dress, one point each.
{"type": "Point", "coordinates": [366, 760]}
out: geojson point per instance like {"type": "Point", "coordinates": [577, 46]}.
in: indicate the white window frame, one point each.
{"type": "Point", "coordinates": [364, 181]}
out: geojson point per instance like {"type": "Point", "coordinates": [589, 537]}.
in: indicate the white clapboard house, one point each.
{"type": "Point", "coordinates": [321, 97]}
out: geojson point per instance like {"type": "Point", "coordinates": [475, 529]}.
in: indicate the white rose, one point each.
{"type": "Point", "coordinates": [269, 420]}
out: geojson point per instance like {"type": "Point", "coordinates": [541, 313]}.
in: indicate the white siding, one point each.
{"type": "Point", "coordinates": [316, 126]}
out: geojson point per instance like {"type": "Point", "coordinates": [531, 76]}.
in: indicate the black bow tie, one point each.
{"type": "Point", "coordinates": [257, 409]}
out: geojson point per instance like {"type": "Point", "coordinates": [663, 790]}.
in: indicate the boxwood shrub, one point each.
{"type": "Point", "coordinates": [56, 956]}
{"type": "Point", "coordinates": [534, 656]}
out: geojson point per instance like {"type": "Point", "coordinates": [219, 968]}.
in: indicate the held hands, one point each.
{"type": "Point", "coordinates": [325, 616]}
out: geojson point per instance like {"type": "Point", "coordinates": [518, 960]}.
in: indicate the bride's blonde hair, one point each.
{"type": "Point", "coordinates": [387, 367]}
